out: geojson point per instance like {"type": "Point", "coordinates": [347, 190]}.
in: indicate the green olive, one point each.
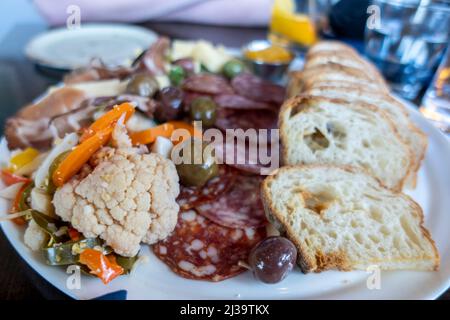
{"type": "Point", "coordinates": [142, 84]}
{"type": "Point", "coordinates": [203, 109]}
{"type": "Point", "coordinates": [199, 167]}
{"type": "Point", "coordinates": [232, 68]}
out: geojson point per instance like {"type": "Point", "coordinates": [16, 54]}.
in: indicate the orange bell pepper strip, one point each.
{"type": "Point", "coordinates": [193, 131]}
{"type": "Point", "coordinates": [149, 136]}
{"type": "Point", "coordinates": [9, 178]}
{"type": "Point", "coordinates": [80, 155]}
{"type": "Point", "coordinates": [108, 119]}
{"type": "Point", "coordinates": [106, 268]}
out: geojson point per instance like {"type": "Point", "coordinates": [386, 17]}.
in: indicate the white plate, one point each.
{"type": "Point", "coordinates": [154, 280]}
{"type": "Point", "coordinates": [114, 44]}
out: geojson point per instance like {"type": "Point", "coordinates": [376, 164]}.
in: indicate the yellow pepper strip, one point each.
{"type": "Point", "coordinates": [149, 135]}
{"type": "Point", "coordinates": [22, 158]}
{"type": "Point", "coordinates": [108, 119]}
{"type": "Point", "coordinates": [80, 155]}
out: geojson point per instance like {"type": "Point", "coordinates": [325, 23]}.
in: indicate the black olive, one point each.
{"type": "Point", "coordinates": [168, 104]}
{"type": "Point", "coordinates": [272, 259]}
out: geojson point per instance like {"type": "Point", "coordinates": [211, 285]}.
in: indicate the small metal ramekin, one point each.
{"type": "Point", "coordinates": [274, 72]}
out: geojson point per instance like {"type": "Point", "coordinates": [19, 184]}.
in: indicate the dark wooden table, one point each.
{"type": "Point", "coordinates": [20, 82]}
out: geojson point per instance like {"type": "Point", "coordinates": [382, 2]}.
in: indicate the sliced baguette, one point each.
{"type": "Point", "coordinates": [331, 46]}
{"type": "Point", "coordinates": [333, 72]}
{"type": "Point", "coordinates": [342, 219]}
{"type": "Point", "coordinates": [409, 132]}
{"type": "Point", "coordinates": [316, 130]}
{"type": "Point", "coordinates": [346, 60]}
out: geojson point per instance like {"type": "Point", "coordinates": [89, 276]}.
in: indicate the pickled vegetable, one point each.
{"type": "Point", "coordinates": [104, 267]}
{"type": "Point", "coordinates": [22, 204]}
{"type": "Point", "coordinates": [68, 253]}
{"type": "Point", "coordinates": [51, 188]}
{"type": "Point", "coordinates": [176, 75]}
{"type": "Point", "coordinates": [272, 259]}
{"type": "Point", "coordinates": [23, 158]}
{"type": "Point", "coordinates": [201, 166]}
{"type": "Point", "coordinates": [52, 226]}
{"type": "Point", "coordinates": [203, 109]}
{"type": "Point", "coordinates": [232, 68]}
{"type": "Point", "coordinates": [143, 85]}
{"type": "Point", "coordinates": [127, 263]}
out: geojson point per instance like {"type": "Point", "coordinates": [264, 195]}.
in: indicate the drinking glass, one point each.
{"type": "Point", "coordinates": [436, 101]}
{"type": "Point", "coordinates": [406, 39]}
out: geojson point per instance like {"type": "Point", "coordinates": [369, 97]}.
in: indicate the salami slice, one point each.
{"type": "Point", "coordinates": [207, 83]}
{"type": "Point", "coordinates": [235, 101]}
{"type": "Point", "coordinates": [252, 87]}
{"type": "Point", "coordinates": [191, 197]}
{"type": "Point", "coordinates": [202, 250]}
{"type": "Point", "coordinates": [240, 207]}
{"type": "Point", "coordinates": [248, 157]}
{"type": "Point", "coordinates": [246, 119]}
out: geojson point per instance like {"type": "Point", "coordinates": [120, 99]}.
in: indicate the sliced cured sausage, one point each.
{"type": "Point", "coordinates": [257, 89]}
{"type": "Point", "coordinates": [246, 119]}
{"type": "Point", "coordinates": [240, 207]}
{"type": "Point", "coordinates": [191, 197]}
{"type": "Point", "coordinates": [235, 101]}
{"type": "Point", "coordinates": [203, 250]}
{"type": "Point", "coordinates": [207, 83]}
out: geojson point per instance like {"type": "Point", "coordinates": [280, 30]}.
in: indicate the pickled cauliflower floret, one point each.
{"type": "Point", "coordinates": [127, 199]}
{"type": "Point", "coordinates": [34, 236]}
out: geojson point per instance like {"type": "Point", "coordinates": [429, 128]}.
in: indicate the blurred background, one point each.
{"type": "Point", "coordinates": [406, 39]}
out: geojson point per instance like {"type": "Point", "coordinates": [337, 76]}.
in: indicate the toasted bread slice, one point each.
{"type": "Point", "coordinates": [343, 219]}
{"type": "Point", "coordinates": [331, 46]}
{"type": "Point", "coordinates": [408, 131]}
{"type": "Point", "coordinates": [343, 58]}
{"type": "Point", "coordinates": [333, 72]}
{"type": "Point", "coordinates": [316, 130]}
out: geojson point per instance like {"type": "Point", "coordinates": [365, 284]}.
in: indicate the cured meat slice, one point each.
{"type": "Point", "coordinates": [257, 89]}
{"type": "Point", "coordinates": [154, 59]}
{"type": "Point", "coordinates": [235, 101]}
{"type": "Point", "coordinates": [246, 119]}
{"type": "Point", "coordinates": [202, 250]}
{"type": "Point", "coordinates": [207, 83]}
{"type": "Point", "coordinates": [248, 156]}
{"type": "Point", "coordinates": [240, 207]}
{"type": "Point", "coordinates": [191, 197]}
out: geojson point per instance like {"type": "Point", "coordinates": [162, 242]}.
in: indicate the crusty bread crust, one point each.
{"type": "Point", "coordinates": [302, 103]}
{"type": "Point", "coordinates": [336, 260]}
{"type": "Point", "coordinates": [307, 77]}
{"type": "Point", "coordinates": [335, 56]}
{"type": "Point", "coordinates": [418, 135]}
